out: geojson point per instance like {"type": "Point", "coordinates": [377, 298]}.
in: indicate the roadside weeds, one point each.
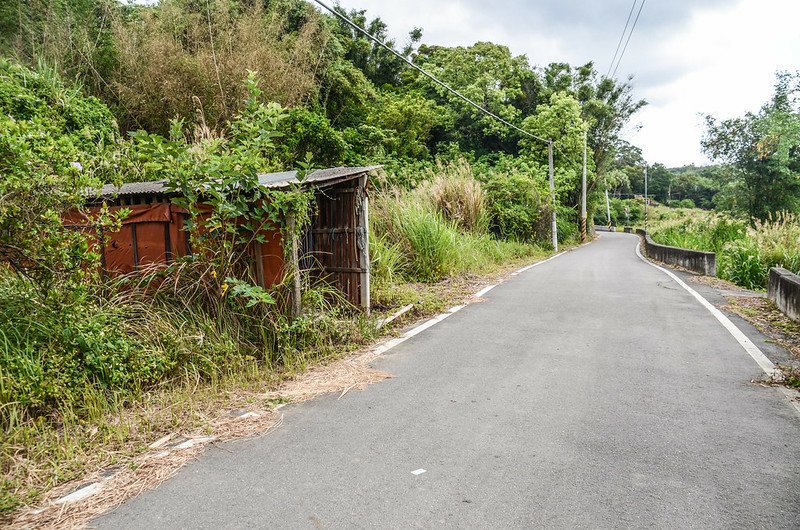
{"type": "Point", "coordinates": [184, 421]}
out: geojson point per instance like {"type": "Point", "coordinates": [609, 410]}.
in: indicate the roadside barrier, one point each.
{"type": "Point", "coordinates": [784, 290]}
{"type": "Point", "coordinates": [693, 260]}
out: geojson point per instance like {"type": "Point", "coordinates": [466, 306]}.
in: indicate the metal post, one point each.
{"type": "Point", "coordinates": [646, 200]}
{"type": "Point", "coordinates": [608, 210]}
{"type": "Point", "coordinates": [296, 307]}
{"type": "Point", "coordinates": [583, 191]}
{"type": "Point", "coordinates": [553, 225]}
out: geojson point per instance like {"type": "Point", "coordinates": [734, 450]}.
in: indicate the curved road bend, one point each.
{"type": "Point", "coordinates": [591, 391]}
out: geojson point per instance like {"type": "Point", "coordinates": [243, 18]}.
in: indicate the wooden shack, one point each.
{"type": "Point", "coordinates": [334, 247]}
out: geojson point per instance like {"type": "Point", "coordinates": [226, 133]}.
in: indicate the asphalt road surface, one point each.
{"type": "Point", "coordinates": [591, 391]}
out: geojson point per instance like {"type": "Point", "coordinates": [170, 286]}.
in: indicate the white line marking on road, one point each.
{"type": "Point", "coordinates": [754, 351]}
{"type": "Point", "coordinates": [418, 471]}
{"type": "Point", "coordinates": [523, 269]}
{"type": "Point", "coordinates": [79, 495]}
{"type": "Point", "coordinates": [485, 290]}
{"type": "Point", "coordinates": [194, 441]}
{"type": "Point", "coordinates": [388, 345]}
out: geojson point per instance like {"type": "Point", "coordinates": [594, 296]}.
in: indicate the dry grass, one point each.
{"type": "Point", "coordinates": [769, 320]}
{"type": "Point", "coordinates": [242, 417]}
{"type": "Point", "coordinates": [174, 58]}
{"type": "Point", "coordinates": [150, 452]}
{"type": "Point", "coordinates": [453, 190]}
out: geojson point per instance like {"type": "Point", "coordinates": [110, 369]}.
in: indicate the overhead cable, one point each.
{"type": "Point", "coordinates": [629, 38]}
{"type": "Point", "coordinates": [426, 73]}
{"type": "Point", "coordinates": [621, 38]}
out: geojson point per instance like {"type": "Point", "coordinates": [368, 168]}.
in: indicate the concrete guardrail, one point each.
{"type": "Point", "coordinates": [693, 260]}
{"type": "Point", "coordinates": [784, 290]}
{"type": "Point", "coordinates": [600, 228]}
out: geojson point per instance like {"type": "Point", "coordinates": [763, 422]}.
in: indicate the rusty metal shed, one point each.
{"type": "Point", "coordinates": [334, 246]}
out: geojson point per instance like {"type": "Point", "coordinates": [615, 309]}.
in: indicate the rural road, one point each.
{"type": "Point", "coordinates": [591, 391]}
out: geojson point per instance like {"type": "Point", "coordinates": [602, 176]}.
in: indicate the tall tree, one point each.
{"type": "Point", "coordinates": [489, 75]}
{"type": "Point", "coordinates": [378, 64]}
{"type": "Point", "coordinates": [606, 104]}
{"type": "Point", "coordinates": [763, 150]}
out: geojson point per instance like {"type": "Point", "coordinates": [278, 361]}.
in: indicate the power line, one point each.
{"type": "Point", "coordinates": [629, 38]}
{"type": "Point", "coordinates": [621, 37]}
{"type": "Point", "coordinates": [426, 73]}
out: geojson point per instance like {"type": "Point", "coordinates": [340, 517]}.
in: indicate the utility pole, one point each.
{"type": "Point", "coordinates": [553, 226]}
{"type": "Point", "coordinates": [646, 200]}
{"type": "Point", "coordinates": [608, 210]}
{"type": "Point", "coordinates": [583, 190]}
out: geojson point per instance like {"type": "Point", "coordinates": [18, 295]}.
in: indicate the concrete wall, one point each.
{"type": "Point", "coordinates": [784, 290]}
{"type": "Point", "coordinates": [694, 260]}
{"type": "Point", "coordinates": [599, 228]}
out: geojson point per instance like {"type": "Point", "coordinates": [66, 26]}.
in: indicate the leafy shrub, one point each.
{"type": "Point", "coordinates": [305, 131]}
{"type": "Point", "coordinates": [51, 141]}
{"type": "Point", "coordinates": [514, 206]}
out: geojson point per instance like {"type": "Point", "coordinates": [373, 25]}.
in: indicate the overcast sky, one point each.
{"type": "Point", "coordinates": [687, 56]}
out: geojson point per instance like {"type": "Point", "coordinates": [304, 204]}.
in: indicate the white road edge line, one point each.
{"type": "Point", "coordinates": [523, 269]}
{"type": "Point", "coordinates": [754, 351]}
{"type": "Point", "coordinates": [388, 345]}
{"type": "Point", "coordinates": [757, 355]}
{"type": "Point", "coordinates": [485, 290]}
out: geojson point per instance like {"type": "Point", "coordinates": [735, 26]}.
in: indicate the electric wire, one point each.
{"type": "Point", "coordinates": [621, 37]}
{"type": "Point", "coordinates": [621, 55]}
{"type": "Point", "coordinates": [426, 73]}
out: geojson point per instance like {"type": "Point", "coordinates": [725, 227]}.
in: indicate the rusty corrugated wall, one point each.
{"type": "Point", "coordinates": [334, 247]}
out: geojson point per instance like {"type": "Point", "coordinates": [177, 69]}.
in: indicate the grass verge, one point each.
{"type": "Point", "coordinates": [139, 440]}
{"type": "Point", "coordinates": [780, 329]}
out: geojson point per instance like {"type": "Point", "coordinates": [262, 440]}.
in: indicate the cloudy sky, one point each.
{"type": "Point", "coordinates": [687, 56]}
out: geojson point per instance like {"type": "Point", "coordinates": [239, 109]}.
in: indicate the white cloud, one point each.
{"type": "Point", "coordinates": [733, 55]}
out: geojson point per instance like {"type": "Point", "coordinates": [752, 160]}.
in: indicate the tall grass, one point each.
{"type": "Point", "coordinates": [455, 193]}
{"type": "Point", "coordinates": [440, 227]}
{"type": "Point", "coordinates": [701, 232]}
{"type": "Point", "coordinates": [745, 253]}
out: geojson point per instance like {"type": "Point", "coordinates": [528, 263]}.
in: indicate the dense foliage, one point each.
{"type": "Point", "coordinates": [205, 95]}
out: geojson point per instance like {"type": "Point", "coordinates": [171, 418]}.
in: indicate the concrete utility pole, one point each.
{"type": "Point", "coordinates": [583, 190]}
{"type": "Point", "coordinates": [553, 225]}
{"type": "Point", "coordinates": [646, 200]}
{"type": "Point", "coordinates": [608, 210]}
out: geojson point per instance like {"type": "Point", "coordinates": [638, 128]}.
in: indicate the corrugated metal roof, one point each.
{"type": "Point", "coordinates": [269, 180]}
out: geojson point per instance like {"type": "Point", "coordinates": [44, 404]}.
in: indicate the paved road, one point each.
{"type": "Point", "coordinates": [590, 391]}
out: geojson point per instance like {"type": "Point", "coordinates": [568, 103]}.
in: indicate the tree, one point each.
{"type": "Point", "coordinates": [486, 73]}
{"type": "Point", "coordinates": [560, 120]}
{"type": "Point", "coordinates": [763, 150]}
{"type": "Point", "coordinates": [606, 104]}
{"type": "Point", "coordinates": [659, 182]}
{"type": "Point", "coordinates": [378, 64]}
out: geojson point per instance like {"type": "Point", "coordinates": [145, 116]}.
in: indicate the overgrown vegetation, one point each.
{"type": "Point", "coordinates": [745, 252]}
{"type": "Point", "coordinates": [96, 91]}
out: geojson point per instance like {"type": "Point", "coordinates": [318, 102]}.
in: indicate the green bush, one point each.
{"type": "Point", "coordinates": [305, 131]}
{"type": "Point", "coordinates": [514, 206]}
